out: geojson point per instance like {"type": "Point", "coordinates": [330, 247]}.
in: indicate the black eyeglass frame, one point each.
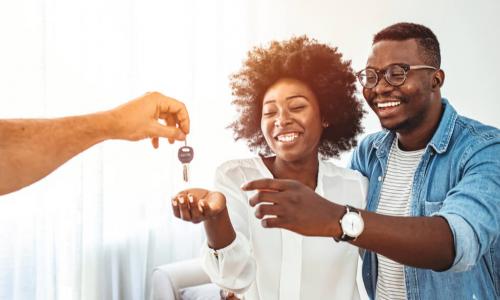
{"type": "Point", "coordinates": [378, 73]}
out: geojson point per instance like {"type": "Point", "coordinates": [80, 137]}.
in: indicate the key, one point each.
{"type": "Point", "coordinates": [185, 155]}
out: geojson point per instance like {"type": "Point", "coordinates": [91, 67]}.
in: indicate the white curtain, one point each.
{"type": "Point", "coordinates": [96, 227]}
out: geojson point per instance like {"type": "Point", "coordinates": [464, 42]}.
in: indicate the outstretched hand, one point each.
{"type": "Point", "coordinates": [294, 206]}
{"type": "Point", "coordinates": [196, 205]}
{"type": "Point", "coordinates": [138, 119]}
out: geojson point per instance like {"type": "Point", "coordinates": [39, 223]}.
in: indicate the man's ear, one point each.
{"type": "Point", "coordinates": [438, 80]}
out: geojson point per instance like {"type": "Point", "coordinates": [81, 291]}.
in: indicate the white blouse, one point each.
{"type": "Point", "coordinates": [270, 263]}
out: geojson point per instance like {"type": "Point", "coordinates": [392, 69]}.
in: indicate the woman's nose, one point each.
{"type": "Point", "coordinates": [282, 120]}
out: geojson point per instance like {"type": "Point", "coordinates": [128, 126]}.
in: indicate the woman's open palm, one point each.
{"type": "Point", "coordinates": [196, 205]}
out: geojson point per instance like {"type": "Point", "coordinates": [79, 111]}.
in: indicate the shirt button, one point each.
{"type": "Point", "coordinates": [379, 178]}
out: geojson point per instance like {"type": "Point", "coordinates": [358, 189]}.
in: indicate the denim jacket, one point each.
{"type": "Point", "coordinates": [457, 178]}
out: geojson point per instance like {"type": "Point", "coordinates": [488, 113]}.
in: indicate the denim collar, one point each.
{"type": "Point", "coordinates": [440, 140]}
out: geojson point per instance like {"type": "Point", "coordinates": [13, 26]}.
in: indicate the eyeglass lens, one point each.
{"type": "Point", "coordinates": [395, 75]}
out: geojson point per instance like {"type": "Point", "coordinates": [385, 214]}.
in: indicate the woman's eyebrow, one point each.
{"type": "Point", "coordinates": [269, 101]}
{"type": "Point", "coordinates": [297, 96]}
{"type": "Point", "coordinates": [287, 98]}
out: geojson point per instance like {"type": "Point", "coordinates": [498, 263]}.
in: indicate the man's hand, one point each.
{"type": "Point", "coordinates": [32, 148]}
{"type": "Point", "coordinates": [138, 119]}
{"type": "Point", "coordinates": [294, 206]}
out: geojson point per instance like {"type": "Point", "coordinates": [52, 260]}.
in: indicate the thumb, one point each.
{"type": "Point", "coordinates": [169, 132]}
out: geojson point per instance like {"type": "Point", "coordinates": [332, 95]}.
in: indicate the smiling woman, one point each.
{"type": "Point", "coordinates": [296, 101]}
{"type": "Point", "coordinates": [317, 66]}
{"type": "Point", "coordinates": [290, 120]}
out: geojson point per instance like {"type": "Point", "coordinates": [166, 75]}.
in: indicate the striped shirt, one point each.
{"type": "Point", "coordinates": [395, 201]}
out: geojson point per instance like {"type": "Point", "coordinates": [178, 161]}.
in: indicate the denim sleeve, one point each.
{"type": "Point", "coordinates": [354, 162]}
{"type": "Point", "coordinates": [472, 207]}
{"type": "Point", "coordinates": [359, 157]}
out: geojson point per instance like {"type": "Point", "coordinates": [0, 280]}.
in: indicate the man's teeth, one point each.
{"type": "Point", "coordinates": [388, 104]}
{"type": "Point", "coordinates": [289, 137]}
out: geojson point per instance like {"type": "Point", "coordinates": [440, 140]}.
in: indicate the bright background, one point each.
{"type": "Point", "coordinates": [96, 227]}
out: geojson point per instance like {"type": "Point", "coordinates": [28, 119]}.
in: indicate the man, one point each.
{"type": "Point", "coordinates": [432, 225]}
{"type": "Point", "coordinates": [32, 149]}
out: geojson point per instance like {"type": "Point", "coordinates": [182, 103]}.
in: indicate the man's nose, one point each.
{"type": "Point", "coordinates": [382, 87]}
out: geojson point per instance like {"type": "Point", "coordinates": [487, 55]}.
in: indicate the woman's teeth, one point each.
{"type": "Point", "coordinates": [288, 137]}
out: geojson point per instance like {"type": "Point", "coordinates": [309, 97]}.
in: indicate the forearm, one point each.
{"type": "Point", "coordinates": [233, 268]}
{"type": "Point", "coordinates": [31, 149]}
{"type": "Point", "coordinates": [422, 242]}
{"type": "Point", "coordinates": [219, 230]}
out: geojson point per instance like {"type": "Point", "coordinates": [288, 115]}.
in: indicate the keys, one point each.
{"type": "Point", "coordinates": [185, 155]}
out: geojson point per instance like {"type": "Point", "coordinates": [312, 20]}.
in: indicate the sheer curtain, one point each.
{"type": "Point", "coordinates": [96, 227]}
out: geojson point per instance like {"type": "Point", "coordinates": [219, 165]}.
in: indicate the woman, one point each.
{"type": "Point", "coordinates": [295, 101]}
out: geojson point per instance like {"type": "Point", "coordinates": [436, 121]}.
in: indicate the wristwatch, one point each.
{"type": "Point", "coordinates": [352, 224]}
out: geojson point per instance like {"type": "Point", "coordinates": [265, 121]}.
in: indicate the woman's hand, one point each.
{"type": "Point", "coordinates": [197, 205]}
{"type": "Point", "coordinates": [200, 205]}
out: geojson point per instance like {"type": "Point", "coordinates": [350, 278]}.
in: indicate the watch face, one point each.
{"type": "Point", "coordinates": [352, 224]}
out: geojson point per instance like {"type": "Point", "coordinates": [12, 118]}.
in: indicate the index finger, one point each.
{"type": "Point", "coordinates": [266, 184]}
{"type": "Point", "coordinates": [265, 197]}
{"type": "Point", "coordinates": [178, 109]}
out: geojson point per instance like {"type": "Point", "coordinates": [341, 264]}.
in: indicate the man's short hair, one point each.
{"type": "Point", "coordinates": [425, 38]}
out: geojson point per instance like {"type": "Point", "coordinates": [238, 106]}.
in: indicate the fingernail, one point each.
{"type": "Point", "coordinates": [181, 199]}
{"type": "Point", "coordinates": [243, 186]}
{"type": "Point", "coordinates": [190, 197]}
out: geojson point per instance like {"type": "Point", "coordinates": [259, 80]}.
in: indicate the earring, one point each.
{"type": "Point", "coordinates": [325, 124]}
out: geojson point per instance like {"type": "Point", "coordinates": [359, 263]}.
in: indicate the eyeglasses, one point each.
{"type": "Point", "coordinates": [394, 74]}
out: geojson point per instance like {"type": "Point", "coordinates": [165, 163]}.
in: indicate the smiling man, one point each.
{"type": "Point", "coordinates": [432, 223]}
{"type": "Point", "coordinates": [434, 165]}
